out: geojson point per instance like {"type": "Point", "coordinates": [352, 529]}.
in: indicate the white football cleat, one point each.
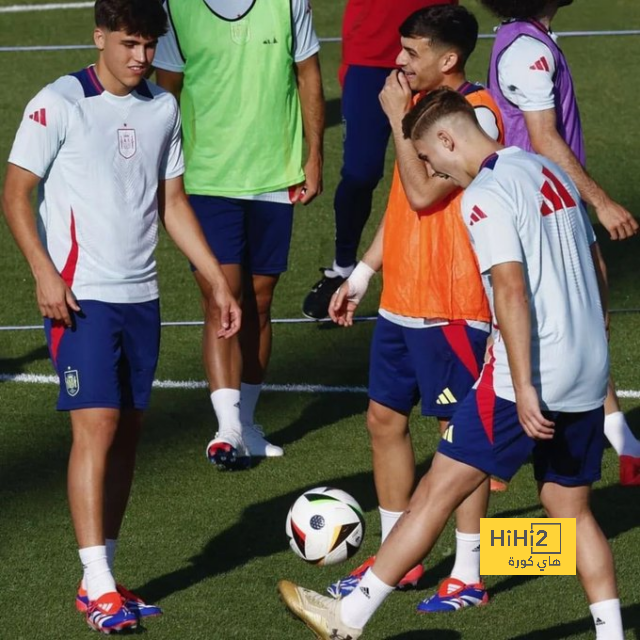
{"type": "Point", "coordinates": [258, 445]}
{"type": "Point", "coordinates": [229, 452]}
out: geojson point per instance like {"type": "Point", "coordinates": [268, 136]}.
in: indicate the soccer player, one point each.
{"type": "Point", "coordinates": [102, 146]}
{"type": "Point", "coordinates": [541, 392]}
{"type": "Point", "coordinates": [530, 79]}
{"type": "Point", "coordinates": [434, 319]}
{"type": "Point", "coordinates": [369, 52]}
{"type": "Point", "coordinates": [248, 77]}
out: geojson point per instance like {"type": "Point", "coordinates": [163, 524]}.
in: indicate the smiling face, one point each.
{"type": "Point", "coordinates": [124, 59]}
{"type": "Point", "coordinates": [423, 64]}
{"type": "Point", "coordinates": [437, 150]}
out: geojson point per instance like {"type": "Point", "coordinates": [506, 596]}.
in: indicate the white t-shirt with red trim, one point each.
{"type": "Point", "coordinates": [523, 208]}
{"type": "Point", "coordinates": [100, 158]}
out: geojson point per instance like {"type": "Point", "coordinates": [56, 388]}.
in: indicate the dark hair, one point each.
{"type": "Point", "coordinates": [444, 25]}
{"type": "Point", "coordinates": [438, 104]}
{"type": "Point", "coordinates": [518, 9]}
{"type": "Point", "coordinates": [146, 18]}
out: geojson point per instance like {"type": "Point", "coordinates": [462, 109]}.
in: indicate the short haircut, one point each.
{"type": "Point", "coordinates": [444, 25]}
{"type": "Point", "coordinates": [146, 18]}
{"type": "Point", "coordinates": [518, 9]}
{"type": "Point", "coordinates": [433, 107]}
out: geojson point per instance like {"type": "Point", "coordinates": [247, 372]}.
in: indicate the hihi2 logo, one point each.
{"type": "Point", "coordinates": [528, 546]}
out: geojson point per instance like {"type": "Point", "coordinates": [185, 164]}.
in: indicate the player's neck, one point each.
{"type": "Point", "coordinates": [110, 82]}
{"type": "Point", "coordinates": [454, 80]}
{"type": "Point", "coordinates": [482, 150]}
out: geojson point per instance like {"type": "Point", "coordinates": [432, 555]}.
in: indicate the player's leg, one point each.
{"type": "Point", "coordinates": [366, 134]}
{"type": "Point", "coordinates": [456, 353]}
{"type": "Point", "coordinates": [269, 227]}
{"type": "Point", "coordinates": [621, 438]}
{"type": "Point", "coordinates": [565, 468]}
{"type": "Point", "coordinates": [594, 560]}
{"type": "Point", "coordinates": [222, 222]}
{"type": "Point", "coordinates": [393, 391]}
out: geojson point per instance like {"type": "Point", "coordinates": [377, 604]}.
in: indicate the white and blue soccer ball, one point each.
{"type": "Point", "coordinates": [325, 526]}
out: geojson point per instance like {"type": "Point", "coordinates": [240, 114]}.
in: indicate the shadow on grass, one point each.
{"type": "Point", "coordinates": [18, 365]}
{"type": "Point", "coordinates": [630, 621]}
{"type": "Point", "coordinates": [333, 113]}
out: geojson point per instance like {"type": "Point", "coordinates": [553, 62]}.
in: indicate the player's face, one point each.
{"type": "Point", "coordinates": [437, 154]}
{"type": "Point", "coordinates": [124, 59]}
{"type": "Point", "coordinates": [422, 64]}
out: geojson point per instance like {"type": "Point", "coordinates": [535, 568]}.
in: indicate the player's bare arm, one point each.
{"type": "Point", "coordinates": [546, 141]}
{"type": "Point", "coordinates": [346, 299]}
{"type": "Point", "coordinates": [422, 189]}
{"type": "Point", "coordinates": [313, 114]}
{"type": "Point", "coordinates": [171, 81]}
{"type": "Point", "coordinates": [514, 319]}
{"type": "Point", "coordinates": [181, 224]}
{"type": "Point", "coordinates": [54, 297]}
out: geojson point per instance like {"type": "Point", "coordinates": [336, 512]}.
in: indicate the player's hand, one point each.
{"type": "Point", "coordinates": [341, 307]}
{"type": "Point", "coordinates": [535, 425]}
{"type": "Point", "coordinates": [229, 310]}
{"type": "Point", "coordinates": [55, 299]}
{"type": "Point", "coordinates": [395, 97]}
{"type": "Point", "coordinates": [312, 186]}
{"type": "Point", "coordinates": [616, 220]}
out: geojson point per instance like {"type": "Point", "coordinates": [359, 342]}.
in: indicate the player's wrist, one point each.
{"type": "Point", "coordinates": [358, 281]}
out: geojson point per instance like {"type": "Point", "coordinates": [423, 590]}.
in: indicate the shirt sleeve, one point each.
{"type": "Point", "coordinates": [525, 74]}
{"type": "Point", "coordinates": [41, 133]}
{"type": "Point", "coordinates": [493, 228]}
{"type": "Point", "coordinates": [168, 56]}
{"type": "Point", "coordinates": [306, 41]}
{"type": "Point", "coordinates": [172, 163]}
{"type": "Point", "coordinates": [488, 121]}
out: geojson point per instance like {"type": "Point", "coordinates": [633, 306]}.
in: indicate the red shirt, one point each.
{"type": "Point", "coordinates": [370, 29]}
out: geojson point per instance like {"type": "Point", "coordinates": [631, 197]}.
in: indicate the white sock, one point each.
{"type": "Point", "coordinates": [388, 520]}
{"type": "Point", "coordinates": [344, 272]}
{"type": "Point", "coordinates": [249, 394]}
{"type": "Point", "coordinates": [97, 574]}
{"type": "Point", "coordinates": [226, 404]}
{"type": "Point", "coordinates": [619, 435]}
{"type": "Point", "coordinates": [357, 608]}
{"type": "Point", "coordinates": [111, 545]}
{"type": "Point", "coordinates": [467, 564]}
{"type": "Point", "coordinates": [607, 619]}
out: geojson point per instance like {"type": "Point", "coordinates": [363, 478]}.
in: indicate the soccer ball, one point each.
{"type": "Point", "coordinates": [325, 526]}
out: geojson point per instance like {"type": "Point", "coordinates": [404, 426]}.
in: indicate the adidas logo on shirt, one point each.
{"type": "Point", "coordinates": [39, 116]}
{"type": "Point", "coordinates": [477, 214]}
{"type": "Point", "coordinates": [540, 65]}
{"type": "Point", "coordinates": [446, 397]}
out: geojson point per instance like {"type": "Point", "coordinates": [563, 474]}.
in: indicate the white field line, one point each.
{"type": "Point", "coordinates": [33, 378]}
{"type": "Point", "coordinates": [199, 323]}
{"type": "Point", "coordinates": [23, 8]}
{"type": "Point", "coordinates": [482, 36]}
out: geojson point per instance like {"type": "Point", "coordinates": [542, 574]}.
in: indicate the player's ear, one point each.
{"type": "Point", "coordinates": [445, 139]}
{"type": "Point", "coordinates": [99, 38]}
{"type": "Point", "coordinates": [449, 61]}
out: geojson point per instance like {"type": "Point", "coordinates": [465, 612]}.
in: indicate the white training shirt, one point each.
{"type": "Point", "coordinates": [523, 208]}
{"type": "Point", "coordinates": [100, 157]}
{"type": "Point", "coordinates": [525, 74]}
{"type": "Point", "coordinates": [306, 44]}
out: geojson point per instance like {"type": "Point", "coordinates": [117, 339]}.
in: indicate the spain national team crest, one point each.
{"type": "Point", "coordinates": [240, 32]}
{"type": "Point", "coordinates": [127, 142]}
{"type": "Point", "coordinates": [72, 382]}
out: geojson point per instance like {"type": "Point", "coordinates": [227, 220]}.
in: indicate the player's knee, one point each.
{"type": "Point", "coordinates": [381, 426]}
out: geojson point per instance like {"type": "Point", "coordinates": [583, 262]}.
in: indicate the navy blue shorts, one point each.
{"type": "Point", "coordinates": [108, 358]}
{"type": "Point", "coordinates": [485, 433]}
{"type": "Point", "coordinates": [252, 233]}
{"type": "Point", "coordinates": [438, 365]}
